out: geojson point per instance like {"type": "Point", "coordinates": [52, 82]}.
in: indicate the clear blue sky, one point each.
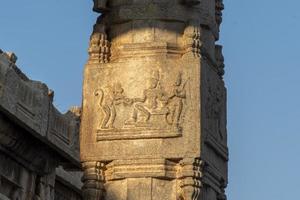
{"type": "Point", "coordinates": [262, 52]}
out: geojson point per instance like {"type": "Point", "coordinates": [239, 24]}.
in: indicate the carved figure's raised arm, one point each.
{"type": "Point", "coordinates": [143, 99]}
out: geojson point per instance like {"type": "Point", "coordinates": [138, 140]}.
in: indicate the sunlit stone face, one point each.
{"type": "Point", "coordinates": [154, 102]}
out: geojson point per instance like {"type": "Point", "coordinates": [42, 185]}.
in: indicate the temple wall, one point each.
{"type": "Point", "coordinates": [35, 139]}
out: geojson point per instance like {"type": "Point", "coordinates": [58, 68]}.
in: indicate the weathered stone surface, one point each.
{"type": "Point", "coordinates": [154, 102]}
{"type": "Point", "coordinates": [72, 178]}
{"type": "Point", "coordinates": [29, 103]}
{"type": "Point", "coordinates": [63, 131]}
{"type": "Point", "coordinates": [35, 138]}
{"type": "Point", "coordinates": [65, 181]}
{"type": "Point", "coordinates": [23, 98]}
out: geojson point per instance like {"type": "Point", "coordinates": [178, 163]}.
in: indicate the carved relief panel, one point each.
{"type": "Point", "coordinates": [128, 101]}
{"type": "Point", "coordinates": [157, 111]}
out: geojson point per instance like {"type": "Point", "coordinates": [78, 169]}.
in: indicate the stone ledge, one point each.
{"type": "Point", "coordinates": [28, 103]}
{"type": "Point", "coordinates": [71, 179]}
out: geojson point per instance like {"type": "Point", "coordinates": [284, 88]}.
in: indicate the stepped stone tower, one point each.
{"type": "Point", "coordinates": [154, 103]}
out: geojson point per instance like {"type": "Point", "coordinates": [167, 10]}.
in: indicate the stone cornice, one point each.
{"type": "Point", "coordinates": [28, 104]}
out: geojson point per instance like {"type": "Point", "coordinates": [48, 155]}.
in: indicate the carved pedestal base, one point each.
{"type": "Point", "coordinates": [143, 179]}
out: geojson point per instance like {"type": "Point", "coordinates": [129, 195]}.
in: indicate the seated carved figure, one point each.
{"type": "Point", "coordinates": [152, 103]}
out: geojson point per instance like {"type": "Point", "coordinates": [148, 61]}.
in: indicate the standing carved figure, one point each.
{"type": "Point", "coordinates": [109, 102]}
{"type": "Point", "coordinates": [175, 102]}
{"type": "Point", "coordinates": [217, 112]}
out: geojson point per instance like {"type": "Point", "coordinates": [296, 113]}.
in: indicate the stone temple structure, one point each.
{"type": "Point", "coordinates": [39, 146]}
{"type": "Point", "coordinates": [153, 124]}
{"type": "Point", "coordinates": [153, 118]}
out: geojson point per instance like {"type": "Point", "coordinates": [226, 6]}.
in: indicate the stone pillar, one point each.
{"type": "Point", "coordinates": [154, 102]}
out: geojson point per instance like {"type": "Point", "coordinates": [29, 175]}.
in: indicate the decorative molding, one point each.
{"type": "Point", "coordinates": [99, 49]}
{"type": "Point", "coordinates": [141, 168]}
{"type": "Point", "coordinates": [104, 135]}
{"type": "Point", "coordinates": [190, 176]}
{"type": "Point", "coordinates": [60, 126]}
{"type": "Point", "coordinates": [154, 48]}
{"type": "Point", "coordinates": [93, 180]}
{"type": "Point", "coordinates": [218, 147]}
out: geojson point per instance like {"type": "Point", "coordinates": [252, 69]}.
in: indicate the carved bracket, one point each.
{"type": "Point", "coordinates": [93, 180]}
{"type": "Point", "coordinates": [99, 49]}
{"type": "Point", "coordinates": [190, 176]}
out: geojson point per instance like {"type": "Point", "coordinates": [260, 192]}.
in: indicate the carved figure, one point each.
{"type": "Point", "coordinates": [153, 101]}
{"type": "Point", "coordinates": [217, 110]}
{"type": "Point", "coordinates": [175, 102]}
{"type": "Point", "coordinates": [109, 102]}
{"type": "Point", "coordinates": [214, 109]}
